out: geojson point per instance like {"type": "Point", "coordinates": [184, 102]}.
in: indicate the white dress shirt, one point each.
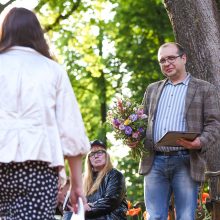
{"type": "Point", "coordinates": [39, 114]}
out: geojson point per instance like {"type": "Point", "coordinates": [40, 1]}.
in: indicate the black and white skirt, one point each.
{"type": "Point", "coordinates": [28, 191]}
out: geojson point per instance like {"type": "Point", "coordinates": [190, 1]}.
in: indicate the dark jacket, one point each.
{"type": "Point", "coordinates": [109, 201]}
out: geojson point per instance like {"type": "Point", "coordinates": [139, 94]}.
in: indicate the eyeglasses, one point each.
{"type": "Point", "coordinates": [96, 153]}
{"type": "Point", "coordinates": [169, 59]}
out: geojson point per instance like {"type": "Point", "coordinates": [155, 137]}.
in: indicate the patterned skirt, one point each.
{"type": "Point", "coordinates": [28, 191]}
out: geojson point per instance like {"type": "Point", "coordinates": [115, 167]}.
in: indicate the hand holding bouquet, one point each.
{"type": "Point", "coordinates": [129, 124]}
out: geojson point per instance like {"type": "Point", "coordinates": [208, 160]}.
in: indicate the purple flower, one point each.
{"type": "Point", "coordinates": [128, 130]}
{"type": "Point", "coordinates": [128, 104]}
{"type": "Point", "coordinates": [141, 130]}
{"type": "Point", "coordinates": [116, 122]}
{"type": "Point", "coordinates": [133, 117]}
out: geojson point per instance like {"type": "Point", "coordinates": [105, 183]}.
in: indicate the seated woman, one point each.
{"type": "Point", "coordinates": [104, 186]}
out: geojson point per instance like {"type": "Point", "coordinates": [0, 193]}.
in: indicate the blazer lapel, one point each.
{"type": "Point", "coordinates": [158, 92]}
{"type": "Point", "coordinates": [192, 86]}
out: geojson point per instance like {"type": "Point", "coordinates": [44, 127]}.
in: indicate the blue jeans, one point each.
{"type": "Point", "coordinates": [170, 174]}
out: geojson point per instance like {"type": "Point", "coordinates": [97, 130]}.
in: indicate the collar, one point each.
{"type": "Point", "coordinates": [21, 48]}
{"type": "Point", "coordinates": [184, 82]}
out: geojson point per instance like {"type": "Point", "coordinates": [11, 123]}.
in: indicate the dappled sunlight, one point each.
{"type": "Point", "coordinates": [29, 4]}
{"type": "Point", "coordinates": [117, 149]}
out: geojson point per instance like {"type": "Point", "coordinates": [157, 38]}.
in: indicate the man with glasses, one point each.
{"type": "Point", "coordinates": [178, 103]}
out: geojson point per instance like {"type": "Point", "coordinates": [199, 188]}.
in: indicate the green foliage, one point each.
{"type": "Point", "coordinates": [218, 4]}
{"type": "Point", "coordinates": [131, 32]}
{"type": "Point", "coordinates": [142, 27]}
{"type": "Point", "coordinates": [107, 47]}
{"type": "Point", "coordinates": [134, 181]}
{"type": "Point", "coordinates": [80, 44]}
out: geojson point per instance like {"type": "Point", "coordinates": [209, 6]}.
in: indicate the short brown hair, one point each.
{"type": "Point", "coordinates": [180, 48]}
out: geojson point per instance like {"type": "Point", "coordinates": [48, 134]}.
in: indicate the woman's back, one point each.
{"type": "Point", "coordinates": [36, 97]}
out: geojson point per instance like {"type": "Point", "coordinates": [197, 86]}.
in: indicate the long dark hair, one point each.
{"type": "Point", "coordinates": [21, 27]}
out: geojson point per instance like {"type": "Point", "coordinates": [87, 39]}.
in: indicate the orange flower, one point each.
{"type": "Point", "coordinates": [133, 212]}
{"type": "Point", "coordinates": [204, 197]}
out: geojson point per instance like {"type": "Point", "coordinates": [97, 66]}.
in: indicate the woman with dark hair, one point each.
{"type": "Point", "coordinates": [104, 187]}
{"type": "Point", "coordinates": [40, 123]}
{"type": "Point", "coordinates": [25, 31]}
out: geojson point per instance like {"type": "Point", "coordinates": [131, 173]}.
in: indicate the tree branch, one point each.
{"type": "Point", "coordinates": [3, 6]}
{"type": "Point", "coordinates": [62, 17]}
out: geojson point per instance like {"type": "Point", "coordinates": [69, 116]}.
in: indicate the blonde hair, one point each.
{"type": "Point", "coordinates": [89, 184]}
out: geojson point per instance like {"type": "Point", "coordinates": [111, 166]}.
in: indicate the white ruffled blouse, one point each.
{"type": "Point", "coordinates": [39, 114]}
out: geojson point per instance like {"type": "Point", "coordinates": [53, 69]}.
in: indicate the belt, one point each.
{"type": "Point", "coordinates": [172, 153]}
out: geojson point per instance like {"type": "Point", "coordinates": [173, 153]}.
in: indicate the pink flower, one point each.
{"type": "Point", "coordinates": [140, 111]}
{"type": "Point", "coordinates": [135, 135]}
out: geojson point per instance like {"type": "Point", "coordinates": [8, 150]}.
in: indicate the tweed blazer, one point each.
{"type": "Point", "coordinates": [202, 114]}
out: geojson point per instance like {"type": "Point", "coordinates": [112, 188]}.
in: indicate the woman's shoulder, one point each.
{"type": "Point", "coordinates": [114, 172]}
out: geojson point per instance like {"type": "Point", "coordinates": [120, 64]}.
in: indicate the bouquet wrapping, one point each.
{"type": "Point", "coordinates": [129, 123]}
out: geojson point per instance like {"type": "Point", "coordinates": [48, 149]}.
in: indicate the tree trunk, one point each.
{"type": "Point", "coordinates": [196, 27]}
{"type": "Point", "coordinates": [102, 88]}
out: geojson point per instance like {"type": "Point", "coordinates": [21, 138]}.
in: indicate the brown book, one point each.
{"type": "Point", "coordinates": [170, 138]}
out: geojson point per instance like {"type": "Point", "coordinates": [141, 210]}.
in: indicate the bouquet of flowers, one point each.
{"type": "Point", "coordinates": [129, 123]}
